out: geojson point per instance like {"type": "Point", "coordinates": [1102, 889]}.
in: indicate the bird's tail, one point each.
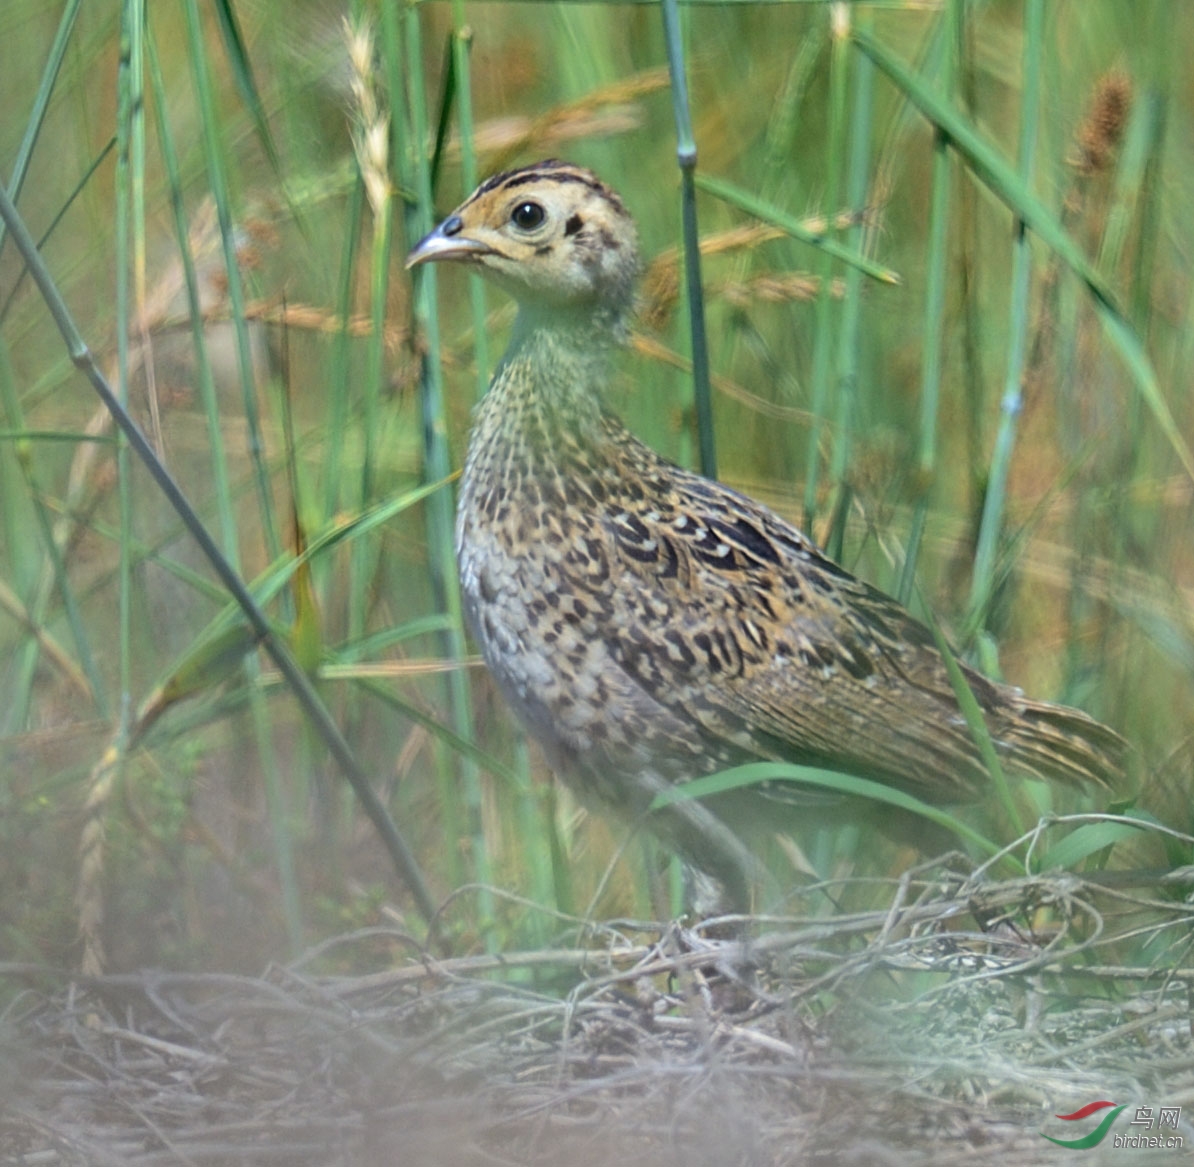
{"type": "Point", "coordinates": [1057, 743]}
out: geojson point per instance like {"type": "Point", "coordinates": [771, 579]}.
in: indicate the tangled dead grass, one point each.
{"type": "Point", "coordinates": [946, 1026]}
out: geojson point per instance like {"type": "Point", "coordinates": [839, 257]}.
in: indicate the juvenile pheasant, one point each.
{"type": "Point", "coordinates": [649, 625]}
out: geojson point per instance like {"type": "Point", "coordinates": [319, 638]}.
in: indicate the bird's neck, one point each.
{"type": "Point", "coordinates": [583, 328]}
{"type": "Point", "coordinates": [550, 383]}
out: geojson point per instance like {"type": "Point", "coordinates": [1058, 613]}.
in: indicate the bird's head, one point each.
{"type": "Point", "coordinates": [552, 235]}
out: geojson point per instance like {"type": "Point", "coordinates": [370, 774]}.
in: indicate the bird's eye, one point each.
{"type": "Point", "coordinates": [528, 216]}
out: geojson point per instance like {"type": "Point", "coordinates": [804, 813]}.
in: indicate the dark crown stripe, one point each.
{"type": "Point", "coordinates": [551, 170]}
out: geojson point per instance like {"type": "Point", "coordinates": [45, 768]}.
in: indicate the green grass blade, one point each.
{"type": "Point", "coordinates": [790, 225]}
{"type": "Point", "coordinates": [1087, 840]}
{"type": "Point", "coordinates": [539, 885]}
{"type": "Point", "coordinates": [67, 203]}
{"type": "Point", "coordinates": [20, 695]}
{"type": "Point", "coordinates": [754, 773]}
{"type": "Point", "coordinates": [339, 371]}
{"type": "Point", "coordinates": [783, 125]}
{"type": "Point", "coordinates": [130, 168]}
{"type": "Point", "coordinates": [1019, 324]}
{"type": "Point", "coordinates": [846, 387]}
{"type": "Point", "coordinates": [41, 103]}
{"type": "Point", "coordinates": [936, 263]}
{"type": "Point", "coordinates": [1002, 180]}
{"type": "Point", "coordinates": [686, 156]}
{"type": "Point", "coordinates": [244, 79]}
{"type": "Point", "coordinates": [441, 732]}
{"type": "Point", "coordinates": [440, 517]}
{"type": "Point", "coordinates": [218, 185]}
{"type": "Point", "coordinates": [206, 383]}
{"type": "Point", "coordinates": [827, 310]}
{"type": "Point", "coordinates": [977, 725]}
{"type": "Point", "coordinates": [462, 38]}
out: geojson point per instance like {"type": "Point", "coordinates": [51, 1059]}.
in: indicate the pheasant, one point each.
{"type": "Point", "coordinates": [649, 625]}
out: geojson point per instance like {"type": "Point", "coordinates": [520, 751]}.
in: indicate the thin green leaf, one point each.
{"type": "Point", "coordinates": [1085, 841]}
{"type": "Point", "coordinates": [686, 157]}
{"type": "Point", "coordinates": [244, 79]}
{"type": "Point", "coordinates": [789, 225]}
{"type": "Point", "coordinates": [55, 436]}
{"type": "Point", "coordinates": [976, 723]}
{"type": "Point", "coordinates": [41, 103]}
{"type": "Point", "coordinates": [754, 773]}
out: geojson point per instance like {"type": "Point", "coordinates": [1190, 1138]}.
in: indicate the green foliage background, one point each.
{"type": "Point", "coordinates": [310, 394]}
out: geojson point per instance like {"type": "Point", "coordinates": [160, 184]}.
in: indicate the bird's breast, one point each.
{"type": "Point", "coordinates": [542, 602]}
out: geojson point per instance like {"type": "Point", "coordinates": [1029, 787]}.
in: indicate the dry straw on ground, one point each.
{"type": "Point", "coordinates": [945, 1027]}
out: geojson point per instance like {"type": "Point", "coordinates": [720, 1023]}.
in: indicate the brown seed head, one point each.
{"type": "Point", "coordinates": [1100, 134]}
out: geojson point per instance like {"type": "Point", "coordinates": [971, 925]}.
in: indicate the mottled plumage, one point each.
{"type": "Point", "coordinates": [649, 625]}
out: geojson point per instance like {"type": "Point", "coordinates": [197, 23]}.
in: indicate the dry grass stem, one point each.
{"type": "Point", "coordinates": [810, 1038]}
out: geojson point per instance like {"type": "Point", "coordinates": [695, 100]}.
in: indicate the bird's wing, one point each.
{"type": "Point", "coordinates": [737, 621]}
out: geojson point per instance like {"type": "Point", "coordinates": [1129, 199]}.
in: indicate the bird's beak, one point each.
{"type": "Point", "coordinates": [446, 242]}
